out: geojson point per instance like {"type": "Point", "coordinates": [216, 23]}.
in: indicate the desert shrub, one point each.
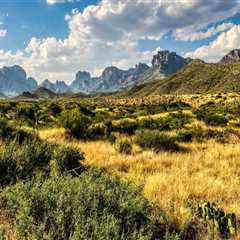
{"type": "Point", "coordinates": [27, 114]}
{"type": "Point", "coordinates": [75, 122]}
{"type": "Point", "coordinates": [55, 109]}
{"type": "Point", "coordinates": [5, 107]}
{"type": "Point", "coordinates": [96, 131]}
{"type": "Point", "coordinates": [92, 206]}
{"type": "Point", "coordinates": [112, 138]}
{"type": "Point", "coordinates": [171, 121]}
{"type": "Point", "coordinates": [215, 120]}
{"type": "Point", "coordinates": [5, 129]}
{"type": "Point", "coordinates": [68, 158]}
{"type": "Point", "coordinates": [33, 156]}
{"type": "Point", "coordinates": [156, 140]}
{"type": "Point", "coordinates": [125, 147]}
{"type": "Point", "coordinates": [184, 136]}
{"type": "Point", "coordinates": [22, 161]}
{"type": "Point", "coordinates": [126, 126]}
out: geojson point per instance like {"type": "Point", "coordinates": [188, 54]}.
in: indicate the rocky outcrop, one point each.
{"type": "Point", "coordinates": [168, 62]}
{"type": "Point", "coordinates": [14, 81]}
{"type": "Point", "coordinates": [231, 57]}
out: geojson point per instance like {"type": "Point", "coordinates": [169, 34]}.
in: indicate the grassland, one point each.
{"type": "Point", "coordinates": [199, 161]}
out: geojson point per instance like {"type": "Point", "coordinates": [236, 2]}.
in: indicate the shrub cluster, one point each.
{"type": "Point", "coordinates": [157, 141]}
{"type": "Point", "coordinates": [75, 122]}
{"type": "Point", "coordinates": [92, 206]}
{"type": "Point", "coordinates": [25, 160]}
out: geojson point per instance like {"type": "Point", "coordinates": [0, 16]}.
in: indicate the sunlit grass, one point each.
{"type": "Point", "coordinates": [209, 171]}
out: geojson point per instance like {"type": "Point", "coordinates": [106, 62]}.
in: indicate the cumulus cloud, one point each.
{"type": "Point", "coordinates": [108, 33]}
{"type": "Point", "coordinates": [224, 43]}
{"type": "Point", "coordinates": [189, 34]}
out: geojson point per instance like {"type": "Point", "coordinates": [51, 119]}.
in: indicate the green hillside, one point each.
{"type": "Point", "coordinates": [197, 77]}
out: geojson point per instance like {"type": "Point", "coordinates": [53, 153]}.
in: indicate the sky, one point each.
{"type": "Point", "coordinates": [54, 39]}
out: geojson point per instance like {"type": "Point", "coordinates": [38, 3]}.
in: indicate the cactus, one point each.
{"type": "Point", "coordinates": [225, 223]}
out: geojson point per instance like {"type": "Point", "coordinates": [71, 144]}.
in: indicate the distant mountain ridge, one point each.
{"type": "Point", "coordinates": [13, 81]}
{"type": "Point", "coordinates": [196, 77]}
{"type": "Point", "coordinates": [169, 74]}
{"type": "Point", "coordinates": [111, 79]}
{"type": "Point", "coordinates": [57, 87]}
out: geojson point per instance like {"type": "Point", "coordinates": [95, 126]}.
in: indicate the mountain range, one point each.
{"type": "Point", "coordinates": [164, 63]}
{"type": "Point", "coordinates": [169, 73]}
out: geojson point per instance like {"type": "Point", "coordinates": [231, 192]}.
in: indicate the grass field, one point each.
{"type": "Point", "coordinates": [180, 151]}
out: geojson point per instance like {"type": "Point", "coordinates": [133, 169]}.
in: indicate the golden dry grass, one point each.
{"type": "Point", "coordinates": [210, 171]}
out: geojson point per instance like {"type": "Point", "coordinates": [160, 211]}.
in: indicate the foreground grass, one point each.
{"type": "Point", "coordinates": [209, 171]}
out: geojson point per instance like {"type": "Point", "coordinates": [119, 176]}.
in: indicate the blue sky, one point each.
{"type": "Point", "coordinates": [56, 38]}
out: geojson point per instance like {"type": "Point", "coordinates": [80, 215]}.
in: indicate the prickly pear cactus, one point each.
{"type": "Point", "coordinates": [225, 223]}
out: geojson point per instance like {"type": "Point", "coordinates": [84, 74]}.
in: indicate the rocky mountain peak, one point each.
{"type": "Point", "coordinates": [232, 57]}
{"type": "Point", "coordinates": [84, 75]}
{"type": "Point", "coordinates": [13, 80]}
{"type": "Point", "coordinates": [168, 62]}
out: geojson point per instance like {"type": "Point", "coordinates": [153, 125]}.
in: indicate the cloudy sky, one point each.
{"type": "Point", "coordinates": [56, 38]}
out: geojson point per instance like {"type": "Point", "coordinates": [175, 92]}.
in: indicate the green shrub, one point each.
{"type": "Point", "coordinates": [5, 129]}
{"type": "Point", "coordinates": [112, 138]}
{"type": "Point", "coordinates": [171, 121]}
{"type": "Point", "coordinates": [68, 158]}
{"type": "Point", "coordinates": [55, 109]}
{"type": "Point", "coordinates": [92, 206]}
{"type": "Point", "coordinates": [216, 120]}
{"type": "Point", "coordinates": [126, 126]}
{"type": "Point", "coordinates": [157, 141]}
{"type": "Point", "coordinates": [184, 136]}
{"type": "Point", "coordinates": [125, 147]}
{"type": "Point", "coordinates": [25, 160]}
{"type": "Point", "coordinates": [22, 161]}
{"type": "Point", "coordinates": [75, 122]}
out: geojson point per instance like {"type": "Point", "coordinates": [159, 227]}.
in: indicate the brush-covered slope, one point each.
{"type": "Point", "coordinates": [197, 77]}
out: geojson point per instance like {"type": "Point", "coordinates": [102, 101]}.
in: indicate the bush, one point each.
{"type": "Point", "coordinates": [125, 147]}
{"type": "Point", "coordinates": [68, 158]}
{"type": "Point", "coordinates": [112, 138]}
{"type": "Point", "coordinates": [55, 109]}
{"type": "Point", "coordinates": [216, 120]}
{"type": "Point", "coordinates": [184, 136]}
{"type": "Point", "coordinates": [75, 122]}
{"type": "Point", "coordinates": [23, 161]}
{"type": "Point", "coordinates": [126, 126]}
{"type": "Point", "coordinates": [157, 141]}
{"type": "Point", "coordinates": [93, 206]}
{"type": "Point", "coordinates": [5, 129]}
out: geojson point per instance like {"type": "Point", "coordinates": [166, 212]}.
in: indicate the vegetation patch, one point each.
{"type": "Point", "coordinates": [156, 141]}
{"type": "Point", "coordinates": [92, 206]}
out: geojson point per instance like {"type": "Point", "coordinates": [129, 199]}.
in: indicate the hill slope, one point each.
{"type": "Point", "coordinates": [197, 77]}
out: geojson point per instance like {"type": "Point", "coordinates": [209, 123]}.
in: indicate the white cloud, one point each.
{"type": "Point", "coordinates": [189, 34]}
{"type": "Point", "coordinates": [3, 33]}
{"type": "Point", "coordinates": [52, 2]}
{"type": "Point", "coordinates": [108, 33]}
{"type": "Point", "coordinates": [224, 43]}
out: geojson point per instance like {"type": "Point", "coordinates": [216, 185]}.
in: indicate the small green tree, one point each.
{"type": "Point", "coordinates": [75, 122]}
